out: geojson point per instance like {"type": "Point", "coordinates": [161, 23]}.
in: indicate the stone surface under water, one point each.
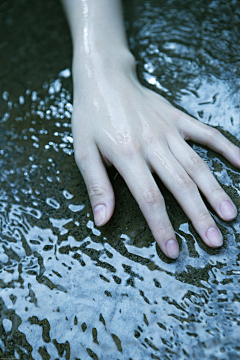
{"type": "Point", "coordinates": [68, 289]}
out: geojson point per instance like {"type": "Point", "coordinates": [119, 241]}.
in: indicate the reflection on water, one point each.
{"type": "Point", "coordinates": [71, 291]}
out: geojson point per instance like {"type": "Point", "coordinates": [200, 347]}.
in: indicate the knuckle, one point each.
{"type": "Point", "coordinates": [212, 132]}
{"type": "Point", "coordinates": [127, 145]}
{"type": "Point", "coordinates": [150, 139]}
{"type": "Point", "coordinates": [203, 216]}
{"type": "Point", "coordinates": [81, 158]}
{"type": "Point", "coordinates": [227, 147]}
{"type": "Point", "coordinates": [211, 135]}
{"type": "Point", "coordinates": [196, 164]}
{"type": "Point", "coordinates": [96, 191]}
{"type": "Point", "coordinates": [152, 197]}
{"type": "Point", "coordinates": [183, 182]}
{"type": "Point", "coordinates": [129, 150]}
{"type": "Point", "coordinates": [164, 228]}
{"type": "Point", "coordinates": [178, 116]}
{"type": "Point", "coordinates": [217, 191]}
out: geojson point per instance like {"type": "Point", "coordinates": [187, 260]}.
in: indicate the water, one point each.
{"type": "Point", "coordinates": [68, 289]}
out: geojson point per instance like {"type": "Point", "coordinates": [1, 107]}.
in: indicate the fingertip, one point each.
{"type": "Point", "coordinates": [172, 248]}
{"type": "Point", "coordinates": [99, 187]}
{"type": "Point", "coordinates": [214, 237]}
{"type": "Point", "coordinates": [228, 210]}
{"type": "Point", "coordinates": [100, 214]}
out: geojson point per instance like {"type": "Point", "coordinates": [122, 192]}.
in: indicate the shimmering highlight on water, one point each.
{"type": "Point", "coordinates": [72, 291]}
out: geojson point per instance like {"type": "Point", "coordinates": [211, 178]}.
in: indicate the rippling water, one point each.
{"type": "Point", "coordinates": [68, 289]}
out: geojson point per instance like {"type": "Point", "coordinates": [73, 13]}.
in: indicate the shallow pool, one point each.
{"type": "Point", "coordinates": [70, 290]}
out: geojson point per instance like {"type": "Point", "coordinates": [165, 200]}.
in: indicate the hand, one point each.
{"type": "Point", "coordinates": [118, 121]}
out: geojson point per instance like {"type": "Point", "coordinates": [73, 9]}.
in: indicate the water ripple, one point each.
{"type": "Point", "coordinates": [69, 290]}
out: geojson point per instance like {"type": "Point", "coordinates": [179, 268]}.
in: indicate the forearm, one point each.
{"type": "Point", "coordinates": [99, 39]}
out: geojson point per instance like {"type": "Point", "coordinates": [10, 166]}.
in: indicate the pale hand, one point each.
{"type": "Point", "coordinates": [118, 121]}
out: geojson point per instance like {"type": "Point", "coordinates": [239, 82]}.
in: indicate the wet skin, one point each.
{"type": "Point", "coordinates": [116, 121]}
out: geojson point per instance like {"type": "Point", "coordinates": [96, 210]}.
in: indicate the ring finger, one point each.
{"type": "Point", "coordinates": [198, 170]}
{"type": "Point", "coordinates": [186, 193]}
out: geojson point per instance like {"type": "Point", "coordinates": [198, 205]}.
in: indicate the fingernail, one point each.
{"type": "Point", "coordinates": [228, 210]}
{"type": "Point", "coordinates": [172, 248]}
{"type": "Point", "coordinates": [214, 236]}
{"type": "Point", "coordinates": [100, 214]}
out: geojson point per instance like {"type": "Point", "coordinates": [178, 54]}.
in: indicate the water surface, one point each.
{"type": "Point", "coordinates": [68, 289]}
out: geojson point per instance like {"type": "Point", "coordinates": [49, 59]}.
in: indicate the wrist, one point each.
{"type": "Point", "coordinates": [102, 65]}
